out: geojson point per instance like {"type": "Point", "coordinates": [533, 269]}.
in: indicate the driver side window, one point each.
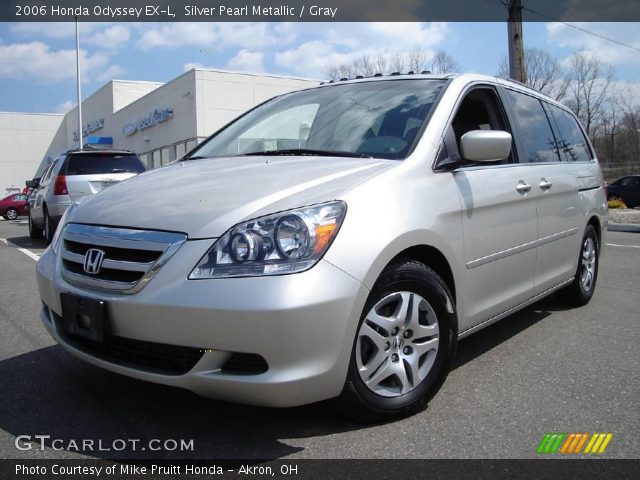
{"type": "Point", "coordinates": [480, 110]}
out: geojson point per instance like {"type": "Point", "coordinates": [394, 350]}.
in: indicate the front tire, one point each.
{"type": "Point", "coordinates": [584, 283]}
{"type": "Point", "coordinates": [49, 228]}
{"type": "Point", "coordinates": [11, 214]}
{"type": "Point", "coordinates": [404, 345]}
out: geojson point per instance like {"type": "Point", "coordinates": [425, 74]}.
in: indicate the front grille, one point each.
{"type": "Point", "coordinates": [130, 257]}
{"type": "Point", "coordinates": [114, 253]}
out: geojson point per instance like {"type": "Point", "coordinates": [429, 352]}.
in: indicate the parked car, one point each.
{"type": "Point", "coordinates": [626, 189]}
{"type": "Point", "coordinates": [73, 176]}
{"type": "Point", "coordinates": [13, 206]}
{"type": "Point", "coordinates": [278, 268]}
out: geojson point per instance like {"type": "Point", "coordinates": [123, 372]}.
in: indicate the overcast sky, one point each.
{"type": "Point", "coordinates": [37, 60]}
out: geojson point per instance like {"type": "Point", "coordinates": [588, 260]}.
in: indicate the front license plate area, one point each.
{"type": "Point", "coordinates": [83, 316]}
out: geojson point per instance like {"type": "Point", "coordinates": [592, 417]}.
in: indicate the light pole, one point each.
{"type": "Point", "coordinates": [78, 86]}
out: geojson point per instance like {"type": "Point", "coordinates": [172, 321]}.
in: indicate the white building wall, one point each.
{"type": "Point", "coordinates": [125, 92]}
{"type": "Point", "coordinates": [201, 100]}
{"type": "Point", "coordinates": [179, 96]}
{"type": "Point", "coordinates": [24, 140]}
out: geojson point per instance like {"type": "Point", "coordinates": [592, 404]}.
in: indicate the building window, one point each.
{"type": "Point", "coordinates": [180, 149]}
{"type": "Point", "coordinates": [191, 144]}
{"type": "Point", "coordinates": [156, 159]}
{"type": "Point", "coordinates": [164, 155]}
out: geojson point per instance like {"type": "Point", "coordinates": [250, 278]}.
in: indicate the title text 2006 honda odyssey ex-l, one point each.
{"type": "Point", "coordinates": [333, 242]}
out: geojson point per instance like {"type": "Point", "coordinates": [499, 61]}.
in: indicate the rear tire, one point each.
{"type": "Point", "coordinates": [584, 283]}
{"type": "Point", "coordinates": [34, 232]}
{"type": "Point", "coordinates": [406, 340]}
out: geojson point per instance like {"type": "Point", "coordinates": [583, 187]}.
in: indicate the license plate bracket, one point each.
{"type": "Point", "coordinates": [84, 316]}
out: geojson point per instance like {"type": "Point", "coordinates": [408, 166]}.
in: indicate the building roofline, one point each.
{"type": "Point", "coordinates": [149, 82]}
{"type": "Point", "coordinates": [255, 74]}
{"type": "Point", "coordinates": [34, 113]}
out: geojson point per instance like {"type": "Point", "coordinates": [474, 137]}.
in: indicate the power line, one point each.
{"type": "Point", "coordinates": [584, 30]}
{"type": "Point", "coordinates": [504, 3]}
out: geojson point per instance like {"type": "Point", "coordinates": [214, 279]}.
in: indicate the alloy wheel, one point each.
{"type": "Point", "coordinates": [588, 261]}
{"type": "Point", "coordinates": [397, 344]}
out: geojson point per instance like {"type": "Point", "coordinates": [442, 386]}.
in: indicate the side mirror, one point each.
{"type": "Point", "coordinates": [31, 183]}
{"type": "Point", "coordinates": [485, 145]}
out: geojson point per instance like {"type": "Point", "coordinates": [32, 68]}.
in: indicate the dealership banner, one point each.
{"type": "Point", "coordinates": [318, 469]}
{"type": "Point", "coordinates": [315, 10]}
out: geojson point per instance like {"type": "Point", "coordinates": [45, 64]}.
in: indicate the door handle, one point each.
{"type": "Point", "coordinates": [522, 187]}
{"type": "Point", "coordinates": [545, 185]}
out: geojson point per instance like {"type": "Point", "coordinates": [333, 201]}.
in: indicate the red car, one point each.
{"type": "Point", "coordinates": [13, 206]}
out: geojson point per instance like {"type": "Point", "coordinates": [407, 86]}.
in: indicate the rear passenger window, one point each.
{"type": "Point", "coordinates": [572, 143]}
{"type": "Point", "coordinates": [536, 138]}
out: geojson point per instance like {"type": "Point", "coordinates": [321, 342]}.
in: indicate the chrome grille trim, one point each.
{"type": "Point", "coordinates": [164, 243]}
{"type": "Point", "coordinates": [108, 263]}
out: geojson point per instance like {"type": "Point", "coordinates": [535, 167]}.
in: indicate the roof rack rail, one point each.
{"type": "Point", "coordinates": [517, 82]}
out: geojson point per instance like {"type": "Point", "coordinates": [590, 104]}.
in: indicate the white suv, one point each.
{"type": "Point", "coordinates": [73, 176]}
{"type": "Point", "coordinates": [333, 243]}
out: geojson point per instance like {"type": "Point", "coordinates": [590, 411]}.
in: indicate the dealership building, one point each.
{"type": "Point", "coordinates": [159, 121]}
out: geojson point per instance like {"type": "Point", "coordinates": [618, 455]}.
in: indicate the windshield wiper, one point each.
{"type": "Point", "coordinates": [195, 157]}
{"type": "Point", "coordinates": [122, 170]}
{"type": "Point", "coordinates": [309, 151]}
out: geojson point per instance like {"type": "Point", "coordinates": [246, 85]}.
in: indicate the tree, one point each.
{"type": "Point", "coordinates": [415, 60]}
{"type": "Point", "coordinates": [544, 72]}
{"type": "Point", "coordinates": [588, 88]}
{"type": "Point", "coordinates": [442, 62]}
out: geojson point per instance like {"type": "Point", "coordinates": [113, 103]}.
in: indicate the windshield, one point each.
{"type": "Point", "coordinates": [377, 119]}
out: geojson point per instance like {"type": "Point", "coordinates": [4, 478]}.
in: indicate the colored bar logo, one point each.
{"type": "Point", "coordinates": [572, 443]}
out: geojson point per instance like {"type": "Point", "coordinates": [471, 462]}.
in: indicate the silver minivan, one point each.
{"type": "Point", "coordinates": [333, 243]}
{"type": "Point", "coordinates": [73, 176]}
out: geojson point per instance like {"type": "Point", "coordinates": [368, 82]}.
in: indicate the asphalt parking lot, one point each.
{"type": "Point", "coordinates": [544, 369]}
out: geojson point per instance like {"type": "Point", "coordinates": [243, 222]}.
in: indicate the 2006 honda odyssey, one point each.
{"type": "Point", "coordinates": [333, 242]}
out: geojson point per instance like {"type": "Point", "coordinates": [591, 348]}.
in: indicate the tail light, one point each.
{"type": "Point", "coordinates": [60, 186]}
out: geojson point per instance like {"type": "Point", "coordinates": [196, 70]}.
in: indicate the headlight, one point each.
{"type": "Point", "coordinates": [287, 242]}
{"type": "Point", "coordinates": [55, 241]}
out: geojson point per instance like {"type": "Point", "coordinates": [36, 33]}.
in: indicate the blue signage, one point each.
{"type": "Point", "coordinates": [159, 115]}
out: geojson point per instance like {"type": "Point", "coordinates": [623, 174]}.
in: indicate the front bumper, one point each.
{"type": "Point", "coordinates": [303, 325]}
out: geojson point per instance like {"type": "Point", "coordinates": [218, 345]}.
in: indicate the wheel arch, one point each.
{"type": "Point", "coordinates": [432, 258]}
{"type": "Point", "coordinates": [595, 221]}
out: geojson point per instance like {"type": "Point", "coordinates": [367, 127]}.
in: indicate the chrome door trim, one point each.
{"type": "Point", "coordinates": [478, 262]}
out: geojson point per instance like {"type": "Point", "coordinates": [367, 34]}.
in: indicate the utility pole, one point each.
{"type": "Point", "coordinates": [516, 51]}
{"type": "Point", "coordinates": [78, 86]}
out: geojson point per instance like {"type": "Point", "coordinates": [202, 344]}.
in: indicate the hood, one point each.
{"type": "Point", "coordinates": [204, 198]}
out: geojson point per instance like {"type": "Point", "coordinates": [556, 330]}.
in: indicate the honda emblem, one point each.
{"type": "Point", "coordinates": [93, 261]}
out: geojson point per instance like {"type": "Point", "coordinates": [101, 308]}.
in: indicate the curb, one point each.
{"type": "Point", "coordinates": [623, 227]}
